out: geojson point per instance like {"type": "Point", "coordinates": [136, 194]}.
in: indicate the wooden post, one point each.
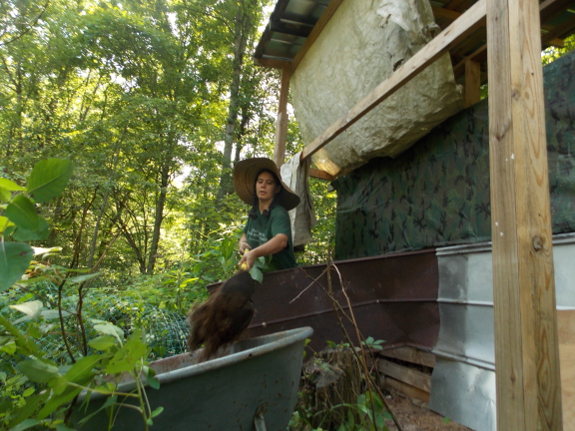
{"type": "Point", "coordinates": [472, 83]}
{"type": "Point", "coordinates": [526, 345]}
{"type": "Point", "coordinates": [282, 120]}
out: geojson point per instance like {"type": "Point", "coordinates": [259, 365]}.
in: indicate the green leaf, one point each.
{"type": "Point", "coordinates": [128, 356]}
{"type": "Point", "coordinates": [257, 274]}
{"type": "Point", "coordinates": [83, 369]}
{"type": "Point", "coordinates": [156, 412]}
{"type": "Point", "coordinates": [28, 423]}
{"type": "Point", "coordinates": [153, 382]}
{"type": "Point", "coordinates": [38, 371]}
{"type": "Point", "coordinates": [57, 400]}
{"type": "Point", "coordinates": [24, 412]}
{"type": "Point", "coordinates": [42, 232]}
{"type": "Point", "coordinates": [108, 328]}
{"type": "Point", "coordinates": [9, 348]}
{"type": "Point", "coordinates": [49, 178]}
{"type": "Point", "coordinates": [22, 213]}
{"type": "Point", "coordinates": [5, 195]}
{"type": "Point", "coordinates": [5, 223]}
{"type": "Point", "coordinates": [103, 342]}
{"type": "Point", "coordinates": [82, 278]}
{"type": "Point", "coordinates": [10, 185]}
{"type": "Point", "coordinates": [15, 258]}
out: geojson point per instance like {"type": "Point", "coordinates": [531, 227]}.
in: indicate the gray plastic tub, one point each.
{"type": "Point", "coordinates": [259, 375]}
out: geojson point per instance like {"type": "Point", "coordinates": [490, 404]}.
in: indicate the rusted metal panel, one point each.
{"type": "Point", "coordinates": [393, 297]}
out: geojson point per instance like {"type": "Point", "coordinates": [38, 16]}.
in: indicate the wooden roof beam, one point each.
{"type": "Point", "coordinates": [548, 10]}
{"type": "Point", "coordinates": [443, 13]}
{"type": "Point", "coordinates": [472, 19]}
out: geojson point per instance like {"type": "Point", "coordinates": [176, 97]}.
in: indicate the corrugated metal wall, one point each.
{"type": "Point", "coordinates": [463, 381]}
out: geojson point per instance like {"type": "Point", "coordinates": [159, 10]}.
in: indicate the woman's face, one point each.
{"type": "Point", "coordinates": [266, 187]}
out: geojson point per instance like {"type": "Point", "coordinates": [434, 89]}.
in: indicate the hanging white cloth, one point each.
{"type": "Point", "coordinates": [295, 174]}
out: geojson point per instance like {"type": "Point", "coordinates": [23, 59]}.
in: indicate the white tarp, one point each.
{"type": "Point", "coordinates": [295, 174]}
{"type": "Point", "coordinates": [361, 46]}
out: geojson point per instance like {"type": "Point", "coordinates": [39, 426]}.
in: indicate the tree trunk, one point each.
{"type": "Point", "coordinates": [241, 31]}
{"type": "Point", "coordinates": [159, 216]}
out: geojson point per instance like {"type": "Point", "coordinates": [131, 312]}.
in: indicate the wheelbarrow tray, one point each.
{"type": "Point", "coordinates": [258, 375]}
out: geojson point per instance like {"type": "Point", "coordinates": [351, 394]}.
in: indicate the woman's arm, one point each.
{"type": "Point", "coordinates": [274, 245]}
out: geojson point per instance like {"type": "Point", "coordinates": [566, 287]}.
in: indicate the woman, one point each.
{"type": "Point", "coordinates": [267, 231]}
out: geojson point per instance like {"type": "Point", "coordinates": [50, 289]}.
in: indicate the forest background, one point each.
{"type": "Point", "coordinates": [153, 101]}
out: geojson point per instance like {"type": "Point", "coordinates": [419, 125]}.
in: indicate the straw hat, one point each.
{"type": "Point", "coordinates": [245, 174]}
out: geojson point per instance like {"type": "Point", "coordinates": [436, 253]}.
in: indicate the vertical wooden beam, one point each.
{"type": "Point", "coordinates": [282, 120]}
{"type": "Point", "coordinates": [472, 83]}
{"type": "Point", "coordinates": [526, 346]}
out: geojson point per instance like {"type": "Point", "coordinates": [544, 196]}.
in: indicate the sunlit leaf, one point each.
{"type": "Point", "coordinates": [108, 328]}
{"type": "Point", "coordinates": [5, 223]}
{"type": "Point", "coordinates": [126, 358]}
{"type": "Point", "coordinates": [49, 178]}
{"type": "Point", "coordinates": [41, 251]}
{"type": "Point", "coordinates": [82, 278]}
{"type": "Point", "coordinates": [10, 185]}
{"type": "Point", "coordinates": [31, 308]}
{"type": "Point", "coordinates": [5, 195]}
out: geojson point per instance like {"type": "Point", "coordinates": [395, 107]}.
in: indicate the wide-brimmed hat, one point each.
{"type": "Point", "coordinates": [245, 175]}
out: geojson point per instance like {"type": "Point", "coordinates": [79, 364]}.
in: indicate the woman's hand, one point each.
{"type": "Point", "coordinates": [274, 245]}
{"type": "Point", "coordinates": [247, 261]}
{"type": "Point", "coordinates": [243, 245]}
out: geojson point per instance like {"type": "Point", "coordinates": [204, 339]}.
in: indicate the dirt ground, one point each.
{"type": "Point", "coordinates": [414, 415]}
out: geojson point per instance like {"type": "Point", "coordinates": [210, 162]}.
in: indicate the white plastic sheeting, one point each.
{"type": "Point", "coordinates": [361, 46]}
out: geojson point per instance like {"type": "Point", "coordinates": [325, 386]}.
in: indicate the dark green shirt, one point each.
{"type": "Point", "coordinates": [261, 230]}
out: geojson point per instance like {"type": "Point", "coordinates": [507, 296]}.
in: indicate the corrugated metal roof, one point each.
{"type": "Point", "coordinates": [292, 21]}
{"type": "Point", "coordinates": [289, 25]}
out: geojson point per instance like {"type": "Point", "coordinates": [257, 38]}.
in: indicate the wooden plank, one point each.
{"type": "Point", "coordinates": [405, 374]}
{"type": "Point", "coordinates": [410, 354]}
{"type": "Point", "coordinates": [562, 30]}
{"type": "Point", "coordinates": [322, 175]}
{"type": "Point", "coordinates": [458, 30]}
{"type": "Point", "coordinates": [266, 62]}
{"type": "Point", "coordinates": [282, 120]}
{"type": "Point", "coordinates": [526, 348]}
{"type": "Point", "coordinates": [558, 43]}
{"type": "Point", "coordinates": [403, 388]}
{"type": "Point", "coordinates": [566, 329]}
{"type": "Point", "coordinates": [479, 56]}
{"type": "Point", "coordinates": [472, 83]}
{"type": "Point", "coordinates": [318, 28]}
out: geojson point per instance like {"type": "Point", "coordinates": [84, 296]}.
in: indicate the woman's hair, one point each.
{"type": "Point", "coordinates": [253, 214]}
